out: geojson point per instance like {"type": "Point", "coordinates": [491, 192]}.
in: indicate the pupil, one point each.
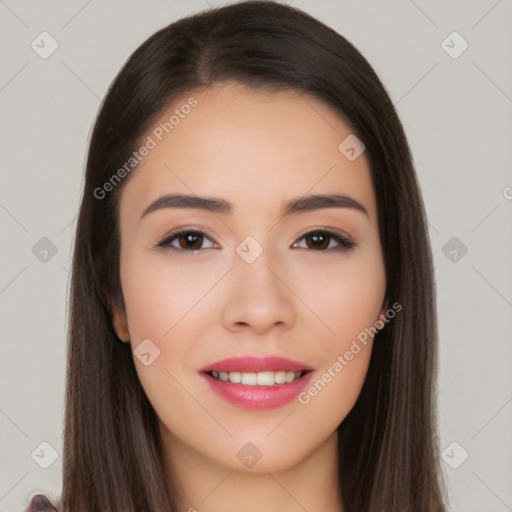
{"type": "Point", "coordinates": [190, 238]}
{"type": "Point", "coordinates": [318, 240]}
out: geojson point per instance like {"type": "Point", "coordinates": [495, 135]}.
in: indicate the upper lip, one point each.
{"type": "Point", "coordinates": [256, 364]}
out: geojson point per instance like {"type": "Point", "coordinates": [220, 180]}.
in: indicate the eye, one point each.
{"type": "Point", "coordinates": [188, 241]}
{"type": "Point", "coordinates": [192, 241]}
{"type": "Point", "coordinates": [322, 240]}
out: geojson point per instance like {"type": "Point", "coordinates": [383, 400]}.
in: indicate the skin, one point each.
{"type": "Point", "coordinates": [255, 149]}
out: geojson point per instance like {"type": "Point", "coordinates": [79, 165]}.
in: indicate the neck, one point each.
{"type": "Point", "coordinates": [206, 485]}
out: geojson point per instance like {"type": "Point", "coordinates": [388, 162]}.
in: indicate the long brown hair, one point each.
{"type": "Point", "coordinates": [112, 454]}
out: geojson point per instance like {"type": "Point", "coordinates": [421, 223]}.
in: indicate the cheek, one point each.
{"type": "Point", "coordinates": [160, 298]}
{"type": "Point", "coordinates": [165, 306]}
{"type": "Point", "coordinates": [350, 309]}
{"type": "Point", "coordinates": [171, 306]}
{"type": "Point", "coordinates": [332, 394]}
{"type": "Point", "coordinates": [346, 297]}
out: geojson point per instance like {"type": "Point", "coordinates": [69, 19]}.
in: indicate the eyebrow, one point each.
{"type": "Point", "coordinates": [290, 207]}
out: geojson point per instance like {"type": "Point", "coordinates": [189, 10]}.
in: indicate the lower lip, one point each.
{"type": "Point", "coordinates": [258, 397]}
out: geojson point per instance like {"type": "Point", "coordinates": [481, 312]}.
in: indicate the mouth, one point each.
{"type": "Point", "coordinates": [265, 378]}
{"type": "Point", "coordinates": [257, 382]}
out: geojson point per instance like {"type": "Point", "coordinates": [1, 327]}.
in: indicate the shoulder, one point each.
{"type": "Point", "coordinates": [40, 503]}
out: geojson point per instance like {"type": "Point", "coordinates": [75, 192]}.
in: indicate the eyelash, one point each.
{"type": "Point", "coordinates": [344, 242]}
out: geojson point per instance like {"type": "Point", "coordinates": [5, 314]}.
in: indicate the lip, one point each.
{"type": "Point", "coordinates": [257, 397]}
{"type": "Point", "coordinates": [256, 364]}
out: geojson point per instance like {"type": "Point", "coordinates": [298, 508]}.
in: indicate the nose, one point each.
{"type": "Point", "coordinates": [259, 297]}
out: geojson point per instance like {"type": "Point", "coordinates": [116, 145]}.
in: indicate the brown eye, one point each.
{"type": "Point", "coordinates": [318, 241]}
{"type": "Point", "coordinates": [322, 240]}
{"type": "Point", "coordinates": [187, 241]}
{"type": "Point", "coordinates": [190, 241]}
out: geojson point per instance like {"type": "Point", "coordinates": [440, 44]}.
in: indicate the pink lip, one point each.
{"type": "Point", "coordinates": [256, 364]}
{"type": "Point", "coordinates": [256, 397]}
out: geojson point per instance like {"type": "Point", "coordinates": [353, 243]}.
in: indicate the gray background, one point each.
{"type": "Point", "coordinates": [456, 113]}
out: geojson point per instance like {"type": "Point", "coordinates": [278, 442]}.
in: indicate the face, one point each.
{"type": "Point", "coordinates": [254, 276]}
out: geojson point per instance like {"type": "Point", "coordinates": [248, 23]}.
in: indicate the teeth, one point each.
{"type": "Point", "coordinates": [257, 379]}
{"type": "Point", "coordinates": [235, 377]}
{"type": "Point", "coordinates": [251, 379]}
{"type": "Point", "coordinates": [266, 378]}
{"type": "Point", "coordinates": [280, 377]}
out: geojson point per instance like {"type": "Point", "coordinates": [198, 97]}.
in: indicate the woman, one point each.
{"type": "Point", "coordinates": [252, 305]}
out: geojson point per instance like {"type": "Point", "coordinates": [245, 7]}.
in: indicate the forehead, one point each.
{"type": "Point", "coordinates": [247, 145]}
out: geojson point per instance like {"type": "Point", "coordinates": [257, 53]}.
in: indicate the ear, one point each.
{"type": "Point", "coordinates": [382, 314]}
{"type": "Point", "coordinates": [120, 324]}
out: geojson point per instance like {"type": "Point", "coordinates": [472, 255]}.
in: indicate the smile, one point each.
{"type": "Point", "coordinates": [267, 378]}
{"type": "Point", "coordinates": [256, 382]}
